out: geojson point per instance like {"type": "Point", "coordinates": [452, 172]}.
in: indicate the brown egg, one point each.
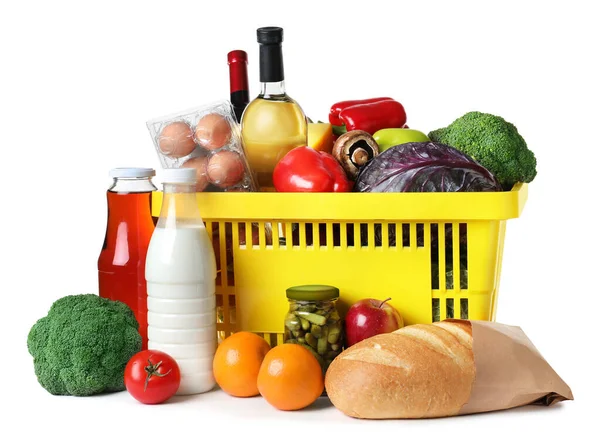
{"type": "Point", "coordinates": [200, 164]}
{"type": "Point", "coordinates": [213, 131]}
{"type": "Point", "coordinates": [225, 168]}
{"type": "Point", "coordinates": [177, 140]}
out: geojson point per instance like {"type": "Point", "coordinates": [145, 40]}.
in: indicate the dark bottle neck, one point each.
{"type": "Point", "coordinates": [271, 63]}
{"type": "Point", "coordinates": [238, 77]}
{"type": "Point", "coordinates": [238, 87]}
{"type": "Point", "coordinates": [239, 101]}
{"type": "Point", "coordinates": [238, 81]}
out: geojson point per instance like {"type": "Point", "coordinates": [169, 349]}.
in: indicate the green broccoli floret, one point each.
{"type": "Point", "coordinates": [82, 346]}
{"type": "Point", "coordinates": [494, 143]}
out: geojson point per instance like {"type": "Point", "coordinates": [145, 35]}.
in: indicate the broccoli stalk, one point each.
{"type": "Point", "coordinates": [494, 143]}
{"type": "Point", "coordinates": [83, 345]}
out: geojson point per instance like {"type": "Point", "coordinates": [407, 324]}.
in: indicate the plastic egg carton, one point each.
{"type": "Point", "coordinates": [207, 138]}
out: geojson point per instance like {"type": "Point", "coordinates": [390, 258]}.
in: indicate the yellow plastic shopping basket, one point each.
{"type": "Point", "coordinates": [437, 255]}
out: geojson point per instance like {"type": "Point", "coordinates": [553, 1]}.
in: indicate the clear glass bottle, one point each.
{"type": "Point", "coordinates": [129, 228]}
{"type": "Point", "coordinates": [314, 322]}
{"type": "Point", "coordinates": [273, 123]}
{"type": "Point", "coordinates": [180, 276]}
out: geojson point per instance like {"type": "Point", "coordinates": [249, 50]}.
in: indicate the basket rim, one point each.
{"type": "Point", "coordinates": [353, 207]}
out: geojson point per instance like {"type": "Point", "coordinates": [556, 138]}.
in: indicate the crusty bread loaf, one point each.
{"type": "Point", "coordinates": [419, 371]}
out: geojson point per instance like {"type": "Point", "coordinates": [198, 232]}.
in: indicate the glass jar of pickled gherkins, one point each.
{"type": "Point", "coordinates": [314, 322]}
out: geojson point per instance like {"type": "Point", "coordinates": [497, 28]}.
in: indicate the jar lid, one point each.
{"type": "Point", "coordinates": [132, 172]}
{"type": "Point", "coordinates": [313, 292]}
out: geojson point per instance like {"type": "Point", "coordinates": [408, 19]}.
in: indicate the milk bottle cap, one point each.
{"type": "Point", "coordinates": [179, 176]}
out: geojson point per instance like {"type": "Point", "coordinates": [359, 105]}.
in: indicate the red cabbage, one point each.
{"type": "Point", "coordinates": [424, 167]}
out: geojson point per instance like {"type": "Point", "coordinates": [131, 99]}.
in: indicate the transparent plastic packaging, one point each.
{"type": "Point", "coordinates": [208, 139]}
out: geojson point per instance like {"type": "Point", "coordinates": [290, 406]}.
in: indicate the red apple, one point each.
{"type": "Point", "coordinates": [369, 317]}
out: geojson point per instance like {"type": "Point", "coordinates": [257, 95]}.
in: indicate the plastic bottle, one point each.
{"type": "Point", "coordinates": [180, 276]}
{"type": "Point", "coordinates": [129, 228]}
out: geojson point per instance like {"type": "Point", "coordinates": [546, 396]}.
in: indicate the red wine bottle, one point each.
{"type": "Point", "coordinates": [238, 81]}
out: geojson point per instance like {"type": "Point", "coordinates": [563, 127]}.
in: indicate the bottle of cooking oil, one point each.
{"type": "Point", "coordinates": [273, 123]}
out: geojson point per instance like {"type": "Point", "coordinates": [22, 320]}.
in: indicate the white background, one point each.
{"type": "Point", "coordinates": [79, 80]}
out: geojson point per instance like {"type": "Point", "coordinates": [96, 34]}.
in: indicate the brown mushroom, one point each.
{"type": "Point", "coordinates": [354, 149]}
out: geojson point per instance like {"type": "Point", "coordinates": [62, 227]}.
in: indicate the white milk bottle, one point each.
{"type": "Point", "coordinates": [180, 279]}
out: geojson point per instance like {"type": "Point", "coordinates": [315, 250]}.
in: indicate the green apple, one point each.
{"type": "Point", "coordinates": [387, 138]}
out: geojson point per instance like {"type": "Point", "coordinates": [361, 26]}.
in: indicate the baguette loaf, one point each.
{"type": "Point", "coordinates": [420, 371]}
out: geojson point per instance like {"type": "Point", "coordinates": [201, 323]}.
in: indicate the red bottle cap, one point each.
{"type": "Point", "coordinates": [237, 55]}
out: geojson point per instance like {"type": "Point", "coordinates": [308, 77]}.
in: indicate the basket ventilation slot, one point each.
{"type": "Point", "coordinates": [450, 309]}
{"type": "Point", "coordinates": [449, 270]}
{"type": "Point", "coordinates": [449, 255]}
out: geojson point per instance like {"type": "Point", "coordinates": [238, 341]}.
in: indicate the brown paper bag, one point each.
{"type": "Point", "coordinates": [510, 371]}
{"type": "Point", "coordinates": [455, 367]}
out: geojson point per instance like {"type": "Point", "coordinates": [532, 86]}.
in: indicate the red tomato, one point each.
{"type": "Point", "coordinates": [152, 377]}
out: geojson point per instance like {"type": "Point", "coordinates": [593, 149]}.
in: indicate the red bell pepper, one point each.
{"type": "Point", "coordinates": [334, 112]}
{"type": "Point", "coordinates": [305, 169]}
{"type": "Point", "coordinates": [368, 115]}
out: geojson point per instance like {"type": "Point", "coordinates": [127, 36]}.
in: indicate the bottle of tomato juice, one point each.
{"type": "Point", "coordinates": [122, 261]}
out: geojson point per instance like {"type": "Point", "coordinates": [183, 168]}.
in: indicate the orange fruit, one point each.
{"type": "Point", "coordinates": [237, 362]}
{"type": "Point", "coordinates": [290, 377]}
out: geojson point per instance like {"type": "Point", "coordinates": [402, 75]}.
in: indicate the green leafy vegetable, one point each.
{"type": "Point", "coordinates": [494, 143]}
{"type": "Point", "coordinates": [83, 345]}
